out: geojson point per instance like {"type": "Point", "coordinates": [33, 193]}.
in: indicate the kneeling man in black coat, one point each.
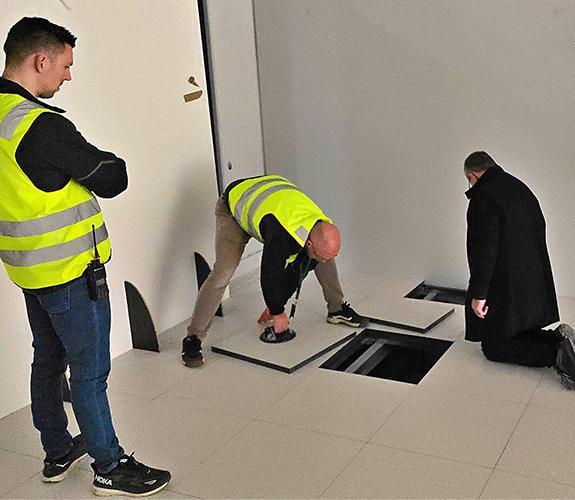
{"type": "Point", "coordinates": [511, 295]}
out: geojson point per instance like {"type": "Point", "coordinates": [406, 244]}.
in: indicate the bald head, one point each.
{"type": "Point", "coordinates": [324, 241]}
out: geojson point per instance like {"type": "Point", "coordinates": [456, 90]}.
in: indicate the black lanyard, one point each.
{"type": "Point", "coordinates": [302, 276]}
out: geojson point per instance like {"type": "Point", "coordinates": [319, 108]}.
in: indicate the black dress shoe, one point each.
{"type": "Point", "coordinates": [565, 364]}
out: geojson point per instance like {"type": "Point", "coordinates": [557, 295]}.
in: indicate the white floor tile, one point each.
{"type": "Point", "coordinates": [449, 329]}
{"type": "Point", "coordinates": [147, 374]}
{"type": "Point", "coordinates": [452, 425]}
{"type": "Point", "coordinates": [342, 404]}
{"type": "Point", "coordinates": [542, 446]}
{"type": "Point", "coordinates": [271, 461]}
{"type": "Point", "coordinates": [173, 434]}
{"type": "Point", "coordinates": [123, 405]}
{"type": "Point", "coordinates": [17, 432]}
{"type": "Point", "coordinates": [78, 484]}
{"type": "Point", "coordinates": [464, 368]}
{"type": "Point", "coordinates": [235, 387]}
{"type": "Point", "coordinates": [380, 472]}
{"type": "Point", "coordinates": [551, 394]}
{"type": "Point", "coordinates": [15, 469]}
{"type": "Point", "coordinates": [363, 285]}
{"type": "Point", "coordinates": [506, 485]}
{"type": "Point", "coordinates": [418, 314]}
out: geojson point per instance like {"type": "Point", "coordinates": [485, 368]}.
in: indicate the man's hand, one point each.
{"type": "Point", "coordinates": [265, 317]}
{"type": "Point", "coordinates": [281, 323]}
{"type": "Point", "coordinates": [479, 307]}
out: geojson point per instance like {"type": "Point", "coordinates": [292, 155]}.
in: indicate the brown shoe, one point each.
{"type": "Point", "coordinates": [565, 364]}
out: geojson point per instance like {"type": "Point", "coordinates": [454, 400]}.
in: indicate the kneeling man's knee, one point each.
{"type": "Point", "coordinates": [492, 350]}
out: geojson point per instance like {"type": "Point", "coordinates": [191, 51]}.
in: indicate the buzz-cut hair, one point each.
{"type": "Point", "coordinates": [35, 34]}
{"type": "Point", "coordinates": [479, 161]}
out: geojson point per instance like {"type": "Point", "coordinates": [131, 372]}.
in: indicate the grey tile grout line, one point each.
{"type": "Point", "coordinates": [536, 387]}
{"type": "Point", "coordinates": [248, 420]}
{"type": "Point", "coordinates": [130, 413]}
{"type": "Point", "coordinates": [172, 488]}
{"type": "Point", "coordinates": [214, 452]}
{"type": "Point", "coordinates": [506, 444]}
{"type": "Point", "coordinates": [181, 380]}
{"type": "Point", "coordinates": [406, 450]}
{"type": "Point", "coordinates": [539, 405]}
{"type": "Point", "coordinates": [209, 410]}
{"type": "Point", "coordinates": [572, 485]}
{"type": "Point", "coordinates": [463, 392]}
{"type": "Point", "coordinates": [344, 468]}
{"type": "Point", "coordinates": [4, 495]}
{"type": "Point", "coordinates": [314, 431]}
{"type": "Point", "coordinates": [392, 413]}
{"type": "Point", "coordinates": [543, 407]}
{"type": "Point", "coordinates": [436, 456]}
{"type": "Point", "coordinates": [414, 453]}
{"type": "Point", "coordinates": [288, 392]}
{"type": "Point", "coordinates": [487, 482]}
{"type": "Point", "coordinates": [22, 454]}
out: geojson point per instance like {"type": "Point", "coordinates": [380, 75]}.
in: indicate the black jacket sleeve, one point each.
{"type": "Point", "coordinates": [482, 244]}
{"type": "Point", "coordinates": [278, 281]}
{"type": "Point", "coordinates": [52, 152]}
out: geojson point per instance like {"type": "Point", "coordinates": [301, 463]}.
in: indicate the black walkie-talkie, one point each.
{"type": "Point", "coordinates": [96, 274]}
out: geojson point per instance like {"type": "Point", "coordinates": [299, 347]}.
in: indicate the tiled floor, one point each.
{"type": "Point", "coordinates": [469, 429]}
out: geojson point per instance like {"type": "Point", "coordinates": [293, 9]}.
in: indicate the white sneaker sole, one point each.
{"type": "Point", "coordinates": [342, 321]}
{"type": "Point", "coordinates": [103, 492]}
{"type": "Point", "coordinates": [61, 477]}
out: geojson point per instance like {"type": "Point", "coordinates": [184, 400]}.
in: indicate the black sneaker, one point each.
{"type": "Point", "coordinates": [347, 316]}
{"type": "Point", "coordinates": [130, 478]}
{"type": "Point", "coordinates": [192, 352]}
{"type": "Point", "coordinates": [56, 470]}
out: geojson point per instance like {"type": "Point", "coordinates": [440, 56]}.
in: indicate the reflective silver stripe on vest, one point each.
{"type": "Point", "coordinates": [52, 222]}
{"type": "Point", "coordinates": [18, 258]}
{"type": "Point", "coordinates": [242, 201]}
{"type": "Point", "coordinates": [302, 233]}
{"type": "Point", "coordinates": [259, 200]}
{"type": "Point", "coordinates": [13, 118]}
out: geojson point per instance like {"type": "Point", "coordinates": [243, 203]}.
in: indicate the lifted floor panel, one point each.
{"type": "Point", "coordinates": [310, 343]}
{"type": "Point", "coordinates": [408, 314]}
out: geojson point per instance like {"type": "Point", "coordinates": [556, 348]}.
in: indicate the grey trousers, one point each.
{"type": "Point", "coordinates": [231, 241]}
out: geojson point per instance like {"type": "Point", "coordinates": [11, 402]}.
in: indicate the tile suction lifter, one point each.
{"type": "Point", "coordinates": [269, 335]}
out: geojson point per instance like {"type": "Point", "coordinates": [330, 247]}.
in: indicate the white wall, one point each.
{"type": "Point", "coordinates": [132, 62]}
{"type": "Point", "coordinates": [373, 105]}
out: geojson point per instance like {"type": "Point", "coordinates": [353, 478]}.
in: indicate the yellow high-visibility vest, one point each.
{"type": "Point", "coordinates": [46, 239]}
{"type": "Point", "coordinates": [253, 199]}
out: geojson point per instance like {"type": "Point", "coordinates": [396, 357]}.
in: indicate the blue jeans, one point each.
{"type": "Point", "coordinates": [70, 329]}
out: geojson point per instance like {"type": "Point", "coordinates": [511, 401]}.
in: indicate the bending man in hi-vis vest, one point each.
{"type": "Point", "coordinates": [54, 244]}
{"type": "Point", "coordinates": [297, 237]}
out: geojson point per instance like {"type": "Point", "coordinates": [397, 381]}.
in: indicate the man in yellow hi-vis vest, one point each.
{"type": "Point", "coordinates": [297, 237]}
{"type": "Point", "coordinates": [54, 244]}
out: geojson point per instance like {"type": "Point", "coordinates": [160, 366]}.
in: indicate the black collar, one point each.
{"type": "Point", "coordinates": [488, 176]}
{"type": "Point", "coordinates": [10, 87]}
